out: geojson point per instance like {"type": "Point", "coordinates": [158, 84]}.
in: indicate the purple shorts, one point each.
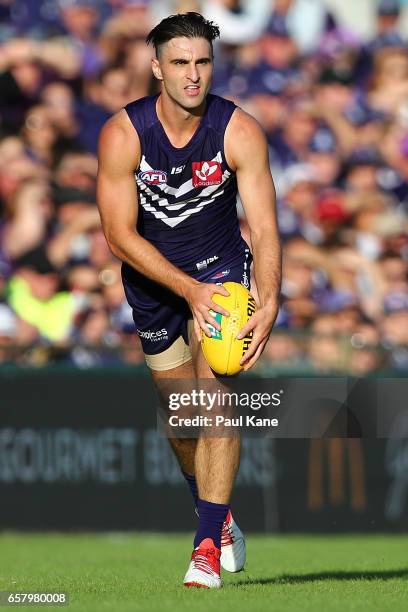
{"type": "Point", "coordinates": [160, 315]}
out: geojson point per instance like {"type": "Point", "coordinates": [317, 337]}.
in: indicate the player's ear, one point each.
{"type": "Point", "coordinates": [156, 69]}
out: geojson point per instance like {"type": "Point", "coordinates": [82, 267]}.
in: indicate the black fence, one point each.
{"type": "Point", "coordinates": [81, 450]}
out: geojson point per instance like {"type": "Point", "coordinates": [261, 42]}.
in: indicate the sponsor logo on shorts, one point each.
{"type": "Point", "coordinates": [202, 265]}
{"type": "Point", "coordinates": [153, 336]}
{"type": "Point", "coordinates": [153, 177]}
{"type": "Point", "coordinates": [215, 333]}
{"type": "Point", "coordinates": [206, 173]}
{"type": "Point", "coordinates": [245, 280]}
{"type": "Point", "coordinates": [221, 274]}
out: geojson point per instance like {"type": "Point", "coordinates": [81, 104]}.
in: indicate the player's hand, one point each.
{"type": "Point", "coordinates": [199, 298]}
{"type": "Point", "coordinates": [260, 324]}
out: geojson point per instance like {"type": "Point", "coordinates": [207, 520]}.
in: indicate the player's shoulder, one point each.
{"type": "Point", "coordinates": [244, 139]}
{"type": "Point", "coordinates": [117, 130]}
{"type": "Point", "coordinates": [244, 126]}
{"type": "Point", "coordinates": [118, 139]}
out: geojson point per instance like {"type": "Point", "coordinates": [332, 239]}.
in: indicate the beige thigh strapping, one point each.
{"type": "Point", "coordinates": [176, 355]}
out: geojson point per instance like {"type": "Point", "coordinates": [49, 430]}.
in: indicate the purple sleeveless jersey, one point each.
{"type": "Point", "coordinates": [187, 195]}
{"type": "Point", "coordinates": [187, 210]}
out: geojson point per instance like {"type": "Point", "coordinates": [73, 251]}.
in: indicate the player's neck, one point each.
{"type": "Point", "coordinates": [178, 123]}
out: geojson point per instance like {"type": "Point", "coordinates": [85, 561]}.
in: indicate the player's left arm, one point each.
{"type": "Point", "coordinates": [247, 153]}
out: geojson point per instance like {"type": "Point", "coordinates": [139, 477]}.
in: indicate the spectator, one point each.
{"type": "Point", "coordinates": [387, 35]}
{"type": "Point", "coordinates": [389, 88]}
{"type": "Point", "coordinates": [35, 298]}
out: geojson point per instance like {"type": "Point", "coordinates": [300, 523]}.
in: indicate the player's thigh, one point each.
{"type": "Point", "coordinates": [172, 361]}
{"type": "Point", "coordinates": [160, 319]}
{"type": "Point", "coordinates": [175, 380]}
{"type": "Point", "coordinates": [200, 365]}
{"type": "Point", "coordinates": [172, 381]}
{"type": "Point", "coordinates": [185, 370]}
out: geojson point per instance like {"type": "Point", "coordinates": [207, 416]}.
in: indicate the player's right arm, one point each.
{"type": "Point", "coordinates": [118, 156]}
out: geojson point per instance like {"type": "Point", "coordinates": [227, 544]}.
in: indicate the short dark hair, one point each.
{"type": "Point", "coordinates": [188, 25]}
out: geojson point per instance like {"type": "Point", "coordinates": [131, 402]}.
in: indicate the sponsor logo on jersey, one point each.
{"type": "Point", "coordinates": [202, 265]}
{"type": "Point", "coordinates": [206, 173]}
{"type": "Point", "coordinates": [153, 177]}
{"type": "Point", "coordinates": [221, 274]}
{"type": "Point", "coordinates": [153, 336]}
{"type": "Point", "coordinates": [177, 169]}
{"type": "Point", "coordinates": [172, 204]}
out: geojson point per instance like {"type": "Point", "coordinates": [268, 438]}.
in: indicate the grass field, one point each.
{"type": "Point", "coordinates": [122, 572]}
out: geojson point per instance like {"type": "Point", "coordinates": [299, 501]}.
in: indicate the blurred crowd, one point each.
{"type": "Point", "coordinates": [335, 110]}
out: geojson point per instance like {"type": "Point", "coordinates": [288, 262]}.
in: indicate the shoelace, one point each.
{"type": "Point", "coordinates": [226, 535]}
{"type": "Point", "coordinates": [202, 562]}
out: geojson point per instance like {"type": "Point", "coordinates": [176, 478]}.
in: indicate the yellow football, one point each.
{"type": "Point", "coordinates": [223, 351]}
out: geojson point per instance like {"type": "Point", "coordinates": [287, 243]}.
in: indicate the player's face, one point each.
{"type": "Point", "coordinates": [185, 67]}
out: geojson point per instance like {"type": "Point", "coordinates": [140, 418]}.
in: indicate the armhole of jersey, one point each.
{"type": "Point", "coordinates": [135, 118]}
{"type": "Point", "coordinates": [137, 127]}
{"type": "Point", "coordinates": [223, 143]}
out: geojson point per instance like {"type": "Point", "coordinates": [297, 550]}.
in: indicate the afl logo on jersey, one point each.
{"type": "Point", "coordinates": [153, 177]}
{"type": "Point", "coordinates": [206, 173]}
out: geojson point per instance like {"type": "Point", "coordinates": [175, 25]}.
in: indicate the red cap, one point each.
{"type": "Point", "coordinates": [331, 208]}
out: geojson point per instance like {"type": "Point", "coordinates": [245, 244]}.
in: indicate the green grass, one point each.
{"type": "Point", "coordinates": [119, 572]}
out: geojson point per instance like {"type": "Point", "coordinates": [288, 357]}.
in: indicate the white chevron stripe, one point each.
{"type": "Point", "coordinates": [173, 221]}
{"type": "Point", "coordinates": [179, 191]}
{"type": "Point", "coordinates": [154, 197]}
{"type": "Point", "coordinates": [147, 196]}
{"type": "Point", "coordinates": [145, 201]}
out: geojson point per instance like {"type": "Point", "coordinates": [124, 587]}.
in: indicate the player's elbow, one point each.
{"type": "Point", "coordinates": [117, 242]}
{"type": "Point", "coordinates": [113, 242]}
{"type": "Point", "coordinates": [114, 248]}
